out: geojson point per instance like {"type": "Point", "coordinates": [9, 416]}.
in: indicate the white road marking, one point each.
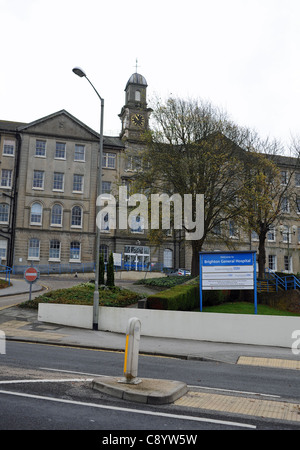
{"type": "Point", "coordinates": [52, 380]}
{"type": "Point", "coordinates": [129, 410]}
{"type": "Point", "coordinates": [72, 371]}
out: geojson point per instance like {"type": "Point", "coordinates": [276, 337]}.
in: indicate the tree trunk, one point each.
{"type": "Point", "coordinates": [262, 254]}
{"type": "Point", "coordinates": [196, 248]}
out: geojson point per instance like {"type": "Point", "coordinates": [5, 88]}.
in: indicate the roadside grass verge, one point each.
{"type": "Point", "coordinates": [4, 284]}
{"type": "Point", "coordinates": [246, 308]}
{"type": "Point", "coordinates": [83, 294]}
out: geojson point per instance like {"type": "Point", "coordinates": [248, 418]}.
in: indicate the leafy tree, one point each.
{"type": "Point", "coordinates": [193, 148]}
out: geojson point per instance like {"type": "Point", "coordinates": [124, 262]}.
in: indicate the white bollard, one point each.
{"type": "Point", "coordinates": [2, 343]}
{"type": "Point", "coordinates": [133, 335]}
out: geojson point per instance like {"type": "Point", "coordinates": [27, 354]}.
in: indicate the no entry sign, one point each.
{"type": "Point", "coordinates": [31, 274]}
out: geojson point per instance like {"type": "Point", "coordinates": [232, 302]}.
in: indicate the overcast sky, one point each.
{"type": "Point", "coordinates": [242, 55]}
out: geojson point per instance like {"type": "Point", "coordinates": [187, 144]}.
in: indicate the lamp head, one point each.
{"type": "Point", "coordinates": [78, 71]}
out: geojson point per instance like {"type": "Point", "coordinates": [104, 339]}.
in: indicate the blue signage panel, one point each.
{"type": "Point", "coordinates": [227, 259]}
{"type": "Point", "coordinates": [228, 271]}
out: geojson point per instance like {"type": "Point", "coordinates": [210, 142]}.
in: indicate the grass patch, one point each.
{"type": "Point", "coordinates": [246, 308]}
{"type": "Point", "coordinates": [3, 284]}
{"type": "Point", "coordinates": [83, 294]}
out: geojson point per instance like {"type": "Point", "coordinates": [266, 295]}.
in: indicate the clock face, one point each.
{"type": "Point", "coordinates": [138, 119]}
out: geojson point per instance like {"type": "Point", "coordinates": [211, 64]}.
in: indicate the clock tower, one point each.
{"type": "Point", "coordinates": [135, 113]}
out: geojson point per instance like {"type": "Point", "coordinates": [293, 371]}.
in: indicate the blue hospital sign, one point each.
{"type": "Point", "coordinates": [227, 271]}
{"type": "Point", "coordinates": [230, 259]}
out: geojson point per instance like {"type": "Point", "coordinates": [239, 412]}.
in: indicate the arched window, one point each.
{"type": "Point", "coordinates": [105, 222]}
{"type": "Point", "coordinates": [137, 96]}
{"type": "Point", "coordinates": [76, 219]}
{"type": "Point", "coordinates": [36, 214]}
{"type": "Point", "coordinates": [56, 215]}
{"type": "Point", "coordinates": [4, 211]}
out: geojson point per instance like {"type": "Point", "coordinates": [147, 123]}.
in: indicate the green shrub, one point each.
{"type": "Point", "coordinates": [178, 298]}
{"type": "Point", "coordinates": [186, 297]}
{"type": "Point", "coordinates": [83, 294]}
{"type": "Point", "coordinates": [110, 276]}
{"type": "Point", "coordinates": [211, 298]}
{"type": "Point", "coordinates": [101, 270]}
{"type": "Point", "coordinates": [164, 282]}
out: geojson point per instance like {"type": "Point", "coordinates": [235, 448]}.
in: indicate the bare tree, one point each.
{"type": "Point", "coordinates": [193, 148]}
{"type": "Point", "coordinates": [267, 191]}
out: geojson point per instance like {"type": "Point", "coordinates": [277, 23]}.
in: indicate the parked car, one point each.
{"type": "Point", "coordinates": [181, 272]}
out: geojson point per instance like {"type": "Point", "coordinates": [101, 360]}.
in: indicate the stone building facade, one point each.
{"type": "Point", "coordinates": [48, 190]}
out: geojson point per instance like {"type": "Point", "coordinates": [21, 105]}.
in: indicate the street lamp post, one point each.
{"type": "Point", "coordinates": [78, 71]}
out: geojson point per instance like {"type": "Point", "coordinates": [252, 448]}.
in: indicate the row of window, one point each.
{"type": "Point", "coordinates": [54, 250]}
{"type": "Point", "coordinates": [285, 178]}
{"type": "Point", "coordinates": [56, 218]}
{"type": "Point", "coordinates": [108, 159]}
{"type": "Point", "coordinates": [36, 215]}
{"type": "Point", "coordinates": [286, 233]}
{"type": "Point", "coordinates": [287, 263]}
{"type": "Point", "coordinates": [60, 150]}
{"type": "Point", "coordinates": [58, 181]}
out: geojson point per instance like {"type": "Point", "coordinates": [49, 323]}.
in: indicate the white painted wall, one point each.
{"type": "Point", "coordinates": [79, 316]}
{"type": "Point", "coordinates": [232, 328]}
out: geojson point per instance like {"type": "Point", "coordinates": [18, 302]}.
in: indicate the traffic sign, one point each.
{"type": "Point", "coordinates": [31, 275]}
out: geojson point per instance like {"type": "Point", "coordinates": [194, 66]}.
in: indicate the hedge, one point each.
{"type": "Point", "coordinates": [178, 298]}
{"type": "Point", "coordinates": [185, 298]}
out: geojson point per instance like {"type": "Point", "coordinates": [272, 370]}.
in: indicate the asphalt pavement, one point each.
{"type": "Point", "coordinates": [22, 324]}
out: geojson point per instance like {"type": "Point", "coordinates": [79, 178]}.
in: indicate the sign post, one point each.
{"type": "Point", "coordinates": [228, 271]}
{"type": "Point", "coordinates": [31, 275]}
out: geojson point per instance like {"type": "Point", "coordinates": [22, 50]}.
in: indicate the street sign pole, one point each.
{"type": "Point", "coordinates": [31, 275]}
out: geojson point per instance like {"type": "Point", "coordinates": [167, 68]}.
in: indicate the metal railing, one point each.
{"type": "Point", "coordinates": [7, 270]}
{"type": "Point", "coordinates": [287, 282]}
{"type": "Point", "coordinates": [48, 269]}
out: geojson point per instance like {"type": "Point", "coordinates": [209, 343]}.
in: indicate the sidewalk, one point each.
{"type": "Point", "coordinates": [19, 286]}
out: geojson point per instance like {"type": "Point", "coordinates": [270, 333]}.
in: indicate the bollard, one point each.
{"type": "Point", "coordinates": [133, 335]}
{"type": "Point", "coordinates": [2, 343]}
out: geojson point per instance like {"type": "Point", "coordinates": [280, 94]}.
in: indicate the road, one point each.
{"type": "Point", "coordinates": [47, 387]}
